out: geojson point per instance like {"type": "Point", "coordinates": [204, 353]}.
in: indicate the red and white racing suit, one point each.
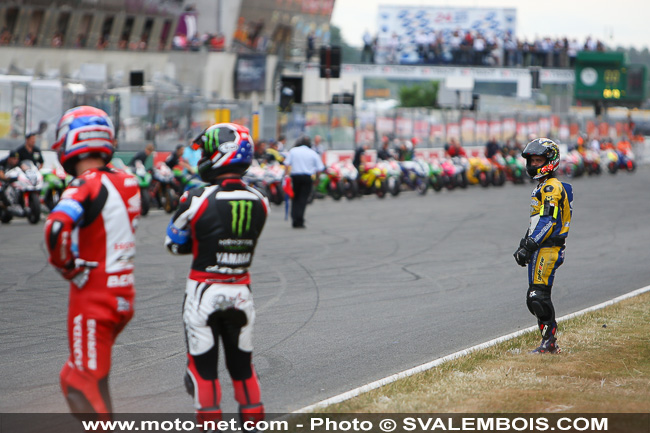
{"type": "Point", "coordinates": [90, 236]}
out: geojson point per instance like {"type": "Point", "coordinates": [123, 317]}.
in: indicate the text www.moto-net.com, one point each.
{"type": "Point", "coordinates": [388, 425]}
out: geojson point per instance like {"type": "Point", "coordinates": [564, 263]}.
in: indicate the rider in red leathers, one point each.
{"type": "Point", "coordinates": [90, 237]}
{"type": "Point", "coordinates": [220, 224]}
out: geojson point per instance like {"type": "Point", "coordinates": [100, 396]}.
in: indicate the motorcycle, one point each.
{"type": "Point", "coordinates": [372, 180]}
{"type": "Point", "coordinates": [479, 172]}
{"type": "Point", "coordinates": [498, 170]}
{"type": "Point", "coordinates": [573, 165]}
{"type": "Point", "coordinates": [329, 183]}
{"type": "Point", "coordinates": [393, 175]}
{"type": "Point", "coordinates": [23, 191]}
{"type": "Point", "coordinates": [592, 162]}
{"type": "Point", "coordinates": [55, 180]}
{"type": "Point", "coordinates": [515, 170]}
{"type": "Point", "coordinates": [435, 175]}
{"type": "Point", "coordinates": [348, 183]}
{"type": "Point", "coordinates": [454, 173]}
{"type": "Point", "coordinates": [626, 161]}
{"type": "Point", "coordinates": [267, 180]}
{"type": "Point", "coordinates": [272, 177]}
{"type": "Point", "coordinates": [163, 188]}
{"type": "Point", "coordinates": [142, 176]}
{"type": "Point", "coordinates": [415, 175]}
{"type": "Point", "coordinates": [611, 159]}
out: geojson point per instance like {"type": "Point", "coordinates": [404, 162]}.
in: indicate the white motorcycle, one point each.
{"type": "Point", "coordinates": [23, 192]}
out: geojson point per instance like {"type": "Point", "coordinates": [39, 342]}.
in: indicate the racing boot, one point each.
{"type": "Point", "coordinates": [548, 345]}
{"type": "Point", "coordinates": [549, 342]}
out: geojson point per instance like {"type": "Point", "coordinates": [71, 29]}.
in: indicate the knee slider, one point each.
{"type": "Point", "coordinates": [538, 303]}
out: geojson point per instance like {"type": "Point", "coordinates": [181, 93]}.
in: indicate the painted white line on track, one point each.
{"type": "Point", "coordinates": [429, 365]}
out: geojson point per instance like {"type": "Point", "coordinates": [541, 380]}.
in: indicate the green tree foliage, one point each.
{"type": "Point", "coordinates": [419, 95]}
{"type": "Point", "coordinates": [349, 54]}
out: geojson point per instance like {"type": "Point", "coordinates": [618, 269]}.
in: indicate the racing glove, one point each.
{"type": "Point", "coordinates": [77, 271]}
{"type": "Point", "coordinates": [527, 246]}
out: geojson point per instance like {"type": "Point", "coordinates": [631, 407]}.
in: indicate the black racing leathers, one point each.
{"type": "Point", "coordinates": [219, 225]}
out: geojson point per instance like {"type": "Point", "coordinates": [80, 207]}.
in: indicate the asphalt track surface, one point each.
{"type": "Point", "coordinates": [372, 287]}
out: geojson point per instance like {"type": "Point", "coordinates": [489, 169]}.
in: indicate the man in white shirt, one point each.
{"type": "Point", "coordinates": [302, 163]}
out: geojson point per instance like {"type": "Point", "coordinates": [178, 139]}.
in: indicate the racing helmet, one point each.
{"type": "Point", "coordinates": [542, 147]}
{"type": "Point", "coordinates": [81, 132]}
{"type": "Point", "coordinates": [226, 148]}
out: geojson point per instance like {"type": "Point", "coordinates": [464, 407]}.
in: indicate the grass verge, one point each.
{"type": "Point", "coordinates": [604, 367]}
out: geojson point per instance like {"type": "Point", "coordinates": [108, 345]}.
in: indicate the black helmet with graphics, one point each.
{"type": "Point", "coordinates": [542, 147]}
{"type": "Point", "coordinates": [226, 148]}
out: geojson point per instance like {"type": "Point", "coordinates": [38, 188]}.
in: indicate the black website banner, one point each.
{"type": "Point", "coordinates": [334, 422]}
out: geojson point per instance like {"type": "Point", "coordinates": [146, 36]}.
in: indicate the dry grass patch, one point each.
{"type": "Point", "coordinates": [604, 367]}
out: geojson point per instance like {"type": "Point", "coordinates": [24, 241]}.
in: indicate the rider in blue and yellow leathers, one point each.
{"type": "Point", "coordinates": [542, 249]}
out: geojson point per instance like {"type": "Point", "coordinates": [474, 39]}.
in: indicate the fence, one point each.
{"type": "Point", "coordinates": [167, 119]}
{"type": "Point", "coordinates": [343, 128]}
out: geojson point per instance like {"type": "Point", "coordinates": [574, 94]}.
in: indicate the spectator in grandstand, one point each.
{"type": "Point", "coordinates": [367, 53]}
{"type": "Point", "coordinates": [30, 40]}
{"type": "Point", "coordinates": [310, 50]}
{"type": "Point", "coordinates": [57, 40]}
{"type": "Point", "coordinates": [393, 49]}
{"type": "Point", "coordinates": [216, 42]}
{"type": "Point", "coordinates": [5, 36]}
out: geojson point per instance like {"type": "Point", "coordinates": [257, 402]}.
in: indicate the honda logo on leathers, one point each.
{"type": "Point", "coordinates": [77, 343]}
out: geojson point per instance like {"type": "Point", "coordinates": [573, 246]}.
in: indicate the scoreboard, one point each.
{"type": "Point", "coordinates": [605, 76]}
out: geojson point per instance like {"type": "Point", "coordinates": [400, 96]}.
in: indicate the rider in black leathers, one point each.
{"type": "Point", "coordinates": [219, 225]}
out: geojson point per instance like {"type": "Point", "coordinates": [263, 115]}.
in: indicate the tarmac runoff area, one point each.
{"type": "Point", "coordinates": [370, 288]}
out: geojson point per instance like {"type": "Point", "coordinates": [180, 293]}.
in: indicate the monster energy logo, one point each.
{"type": "Point", "coordinates": [241, 213]}
{"type": "Point", "coordinates": [213, 139]}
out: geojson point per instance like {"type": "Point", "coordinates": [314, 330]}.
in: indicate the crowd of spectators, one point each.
{"type": "Point", "coordinates": [209, 41]}
{"type": "Point", "coordinates": [474, 48]}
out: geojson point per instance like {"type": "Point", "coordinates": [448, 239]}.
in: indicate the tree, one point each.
{"type": "Point", "coordinates": [349, 54]}
{"type": "Point", "coordinates": [420, 95]}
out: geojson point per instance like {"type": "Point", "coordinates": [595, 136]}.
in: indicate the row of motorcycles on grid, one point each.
{"type": "Point", "coordinates": [31, 191]}
{"type": "Point", "coordinates": [384, 177]}
{"type": "Point", "coordinates": [591, 162]}
{"type": "Point", "coordinates": [390, 177]}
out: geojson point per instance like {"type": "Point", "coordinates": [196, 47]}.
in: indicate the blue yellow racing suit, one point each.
{"type": "Point", "coordinates": [551, 208]}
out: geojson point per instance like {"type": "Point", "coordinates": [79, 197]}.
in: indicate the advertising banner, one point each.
{"type": "Point", "coordinates": [250, 73]}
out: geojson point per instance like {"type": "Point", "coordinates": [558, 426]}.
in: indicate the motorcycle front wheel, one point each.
{"type": "Point", "coordinates": [34, 207]}
{"type": "Point", "coordinates": [144, 201]}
